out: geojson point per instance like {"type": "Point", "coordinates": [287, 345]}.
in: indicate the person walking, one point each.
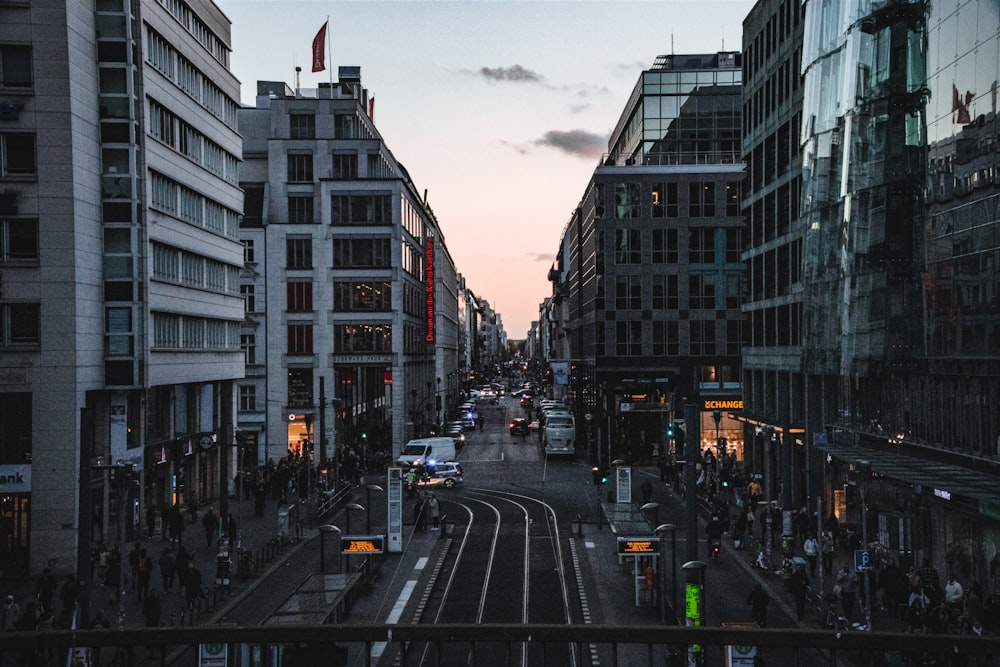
{"type": "Point", "coordinates": [45, 589]}
{"type": "Point", "coordinates": [826, 547]}
{"type": "Point", "coordinates": [758, 601]}
{"type": "Point", "coordinates": [144, 571]}
{"type": "Point", "coordinates": [435, 510]}
{"type": "Point", "coordinates": [810, 547]}
{"type": "Point", "coordinates": [799, 584]}
{"type": "Point", "coordinates": [168, 569]}
{"type": "Point", "coordinates": [848, 591]}
{"type": "Point", "coordinates": [192, 586]}
{"type": "Point", "coordinates": [10, 615]}
{"type": "Point", "coordinates": [210, 522]}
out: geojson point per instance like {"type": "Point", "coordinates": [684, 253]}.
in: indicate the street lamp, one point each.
{"type": "Point", "coordinates": [656, 511]}
{"type": "Point", "coordinates": [352, 507]}
{"type": "Point", "coordinates": [671, 530]}
{"type": "Point", "coordinates": [323, 530]}
{"type": "Point", "coordinates": [369, 488]}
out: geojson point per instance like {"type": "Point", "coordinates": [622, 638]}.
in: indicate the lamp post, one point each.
{"type": "Point", "coordinates": [671, 530]}
{"type": "Point", "coordinates": [656, 511]}
{"type": "Point", "coordinates": [864, 473]}
{"type": "Point", "coordinates": [369, 488]}
{"type": "Point", "coordinates": [323, 530]}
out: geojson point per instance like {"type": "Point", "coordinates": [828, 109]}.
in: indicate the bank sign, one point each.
{"type": "Point", "coordinates": [15, 478]}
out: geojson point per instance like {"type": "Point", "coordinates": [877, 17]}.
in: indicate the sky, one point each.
{"type": "Point", "coordinates": [499, 110]}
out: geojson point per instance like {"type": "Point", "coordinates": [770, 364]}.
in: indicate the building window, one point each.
{"type": "Point", "coordinates": [628, 293]}
{"type": "Point", "coordinates": [361, 209]}
{"type": "Point", "coordinates": [627, 201]}
{"type": "Point", "coordinates": [345, 166]}
{"type": "Point", "coordinates": [665, 246]}
{"type": "Point", "coordinates": [365, 296]}
{"type": "Point", "coordinates": [300, 387]}
{"type": "Point", "coordinates": [248, 343]}
{"type": "Point", "coordinates": [345, 126]}
{"type": "Point", "coordinates": [18, 239]}
{"type": "Point", "coordinates": [298, 253]}
{"type": "Point", "coordinates": [17, 154]}
{"type": "Point", "coordinates": [361, 253]}
{"type": "Point", "coordinates": [701, 294]}
{"type": "Point", "coordinates": [15, 66]}
{"type": "Point", "coordinates": [300, 210]}
{"type": "Point", "coordinates": [702, 337]}
{"type": "Point", "coordinates": [734, 337]}
{"type": "Point", "coordinates": [376, 338]}
{"type": "Point", "coordinates": [249, 299]}
{"type": "Point", "coordinates": [302, 125]}
{"type": "Point", "coordinates": [300, 339]}
{"type": "Point", "coordinates": [20, 324]}
{"type": "Point", "coordinates": [732, 199]}
{"type": "Point", "coordinates": [665, 292]}
{"type": "Point", "coordinates": [248, 254]}
{"type": "Point", "coordinates": [664, 200]}
{"type": "Point", "coordinates": [300, 296]}
{"type": "Point", "coordinates": [248, 398]}
{"type": "Point", "coordinates": [665, 343]}
{"type": "Point", "coordinates": [300, 168]}
{"type": "Point", "coordinates": [253, 205]}
{"type": "Point", "coordinates": [734, 245]}
{"type": "Point", "coordinates": [628, 338]}
{"type": "Point", "coordinates": [701, 199]}
{"type": "Point", "coordinates": [628, 246]}
{"type": "Point", "coordinates": [702, 245]}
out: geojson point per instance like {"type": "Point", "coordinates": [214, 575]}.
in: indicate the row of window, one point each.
{"type": "Point", "coordinates": [162, 55]}
{"type": "Point", "coordinates": [184, 332]}
{"type": "Point", "coordinates": [662, 338]}
{"type": "Point", "coordinates": [664, 247]}
{"type": "Point", "coordinates": [180, 201]}
{"type": "Point", "coordinates": [185, 268]}
{"type": "Point", "coordinates": [346, 125]}
{"type": "Point", "coordinates": [167, 127]}
{"type": "Point", "coordinates": [664, 293]}
{"type": "Point", "coordinates": [661, 200]}
{"type": "Point", "coordinates": [201, 32]}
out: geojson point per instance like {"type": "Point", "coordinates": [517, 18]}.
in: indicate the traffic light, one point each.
{"type": "Point", "coordinates": [604, 475]}
{"type": "Point", "coordinates": [364, 435]}
{"type": "Point", "coordinates": [670, 430]}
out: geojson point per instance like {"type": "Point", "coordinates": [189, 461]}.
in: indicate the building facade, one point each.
{"type": "Point", "coordinates": [120, 258]}
{"type": "Point", "coordinates": [649, 271]}
{"type": "Point", "coordinates": [351, 295]}
{"type": "Point", "coordinates": [892, 376]}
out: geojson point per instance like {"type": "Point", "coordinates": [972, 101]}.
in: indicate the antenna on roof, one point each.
{"type": "Point", "coordinates": [671, 43]}
{"type": "Point", "coordinates": [723, 38]}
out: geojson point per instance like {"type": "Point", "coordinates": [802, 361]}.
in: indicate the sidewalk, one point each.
{"type": "Point", "coordinates": [258, 536]}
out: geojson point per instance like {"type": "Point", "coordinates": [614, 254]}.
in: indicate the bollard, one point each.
{"type": "Point", "coordinates": [579, 525]}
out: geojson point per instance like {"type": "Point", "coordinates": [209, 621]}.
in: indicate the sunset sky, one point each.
{"type": "Point", "coordinates": [500, 110]}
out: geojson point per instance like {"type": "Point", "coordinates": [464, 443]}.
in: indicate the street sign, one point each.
{"type": "Point", "coordinates": [862, 560]}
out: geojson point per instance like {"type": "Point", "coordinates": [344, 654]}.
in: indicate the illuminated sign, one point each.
{"type": "Point", "coordinates": [692, 610]}
{"type": "Point", "coordinates": [730, 404]}
{"type": "Point", "coordinates": [362, 544]}
{"type": "Point", "coordinates": [429, 287]}
{"type": "Point", "coordinates": [637, 545]}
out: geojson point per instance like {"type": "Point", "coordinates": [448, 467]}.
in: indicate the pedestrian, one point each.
{"type": "Point", "coordinates": [799, 583]}
{"type": "Point", "coordinates": [133, 563]}
{"type": "Point", "coordinates": [810, 547]}
{"type": "Point", "coordinates": [740, 529]}
{"type": "Point", "coordinates": [150, 520]}
{"type": "Point", "coordinates": [758, 601]}
{"type": "Point", "coordinates": [418, 514]}
{"type": "Point", "coordinates": [45, 589]}
{"type": "Point", "coordinates": [826, 551]}
{"type": "Point", "coordinates": [192, 586]}
{"type": "Point", "coordinates": [848, 590]}
{"type": "Point", "coordinates": [833, 526]}
{"type": "Point", "coordinates": [210, 522]}
{"type": "Point", "coordinates": [70, 592]}
{"type": "Point", "coordinates": [113, 572]}
{"type": "Point", "coordinates": [435, 510]}
{"type": "Point", "coordinates": [954, 596]}
{"type": "Point", "coordinates": [182, 564]}
{"type": "Point", "coordinates": [10, 616]}
{"type": "Point", "coordinates": [144, 571]}
{"type": "Point", "coordinates": [889, 580]}
{"type": "Point", "coordinates": [647, 490]}
{"type": "Point", "coordinates": [175, 522]}
{"type": "Point", "coordinates": [151, 610]}
{"type": "Point", "coordinates": [168, 569]}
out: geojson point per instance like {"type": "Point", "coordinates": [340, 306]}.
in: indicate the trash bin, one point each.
{"type": "Point", "coordinates": [447, 527]}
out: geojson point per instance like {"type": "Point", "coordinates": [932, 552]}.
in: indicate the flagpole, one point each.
{"type": "Point", "coordinates": [329, 47]}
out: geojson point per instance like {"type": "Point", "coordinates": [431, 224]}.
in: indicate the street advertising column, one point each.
{"type": "Point", "coordinates": [623, 484]}
{"type": "Point", "coordinates": [694, 607]}
{"type": "Point", "coordinates": [394, 521]}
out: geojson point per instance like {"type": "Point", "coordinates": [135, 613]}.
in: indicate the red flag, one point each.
{"type": "Point", "coordinates": [319, 50]}
{"type": "Point", "coordinates": [371, 109]}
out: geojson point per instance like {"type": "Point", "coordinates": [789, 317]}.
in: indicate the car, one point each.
{"type": "Point", "coordinates": [447, 474]}
{"type": "Point", "coordinates": [519, 426]}
{"type": "Point", "coordinates": [469, 423]}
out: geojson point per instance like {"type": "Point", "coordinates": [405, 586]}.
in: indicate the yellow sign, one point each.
{"type": "Point", "coordinates": [637, 545]}
{"type": "Point", "coordinates": [362, 545]}
{"type": "Point", "coordinates": [731, 404]}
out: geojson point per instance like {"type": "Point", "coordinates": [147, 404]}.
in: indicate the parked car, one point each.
{"type": "Point", "coordinates": [447, 474]}
{"type": "Point", "coordinates": [519, 426]}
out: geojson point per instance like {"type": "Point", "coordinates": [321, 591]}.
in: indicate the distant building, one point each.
{"type": "Point", "coordinates": [647, 283]}
{"type": "Point", "coordinates": [120, 310]}
{"type": "Point", "coordinates": [351, 295]}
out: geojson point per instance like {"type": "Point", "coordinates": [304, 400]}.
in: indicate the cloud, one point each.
{"type": "Point", "coordinates": [579, 143]}
{"type": "Point", "coordinates": [514, 73]}
{"type": "Point", "coordinates": [547, 257]}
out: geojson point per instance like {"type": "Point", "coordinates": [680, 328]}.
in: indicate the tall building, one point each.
{"type": "Point", "coordinates": [649, 273]}
{"type": "Point", "coordinates": [351, 295]}
{"type": "Point", "coordinates": [890, 371]}
{"type": "Point", "coordinates": [120, 258]}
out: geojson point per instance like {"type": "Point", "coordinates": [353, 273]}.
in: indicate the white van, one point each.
{"type": "Point", "coordinates": [423, 449]}
{"type": "Point", "coordinates": [559, 433]}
